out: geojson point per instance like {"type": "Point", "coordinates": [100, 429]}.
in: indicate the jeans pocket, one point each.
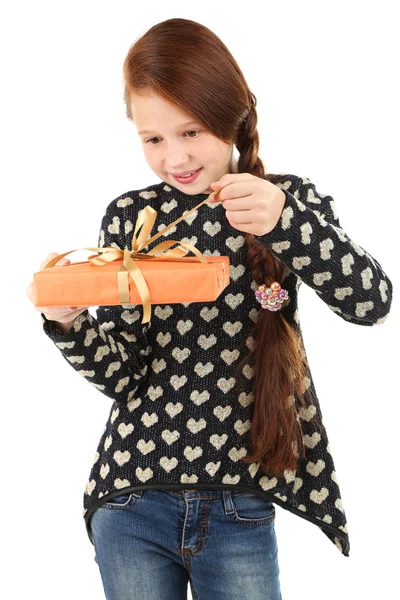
{"type": "Point", "coordinates": [122, 501]}
{"type": "Point", "coordinates": [251, 509]}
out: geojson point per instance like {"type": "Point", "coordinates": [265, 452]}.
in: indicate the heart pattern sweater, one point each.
{"type": "Point", "coordinates": [176, 419]}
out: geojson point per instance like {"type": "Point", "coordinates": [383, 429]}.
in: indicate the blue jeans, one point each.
{"type": "Point", "coordinates": [150, 543]}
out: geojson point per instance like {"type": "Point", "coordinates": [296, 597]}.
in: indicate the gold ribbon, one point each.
{"type": "Point", "coordinates": [145, 222]}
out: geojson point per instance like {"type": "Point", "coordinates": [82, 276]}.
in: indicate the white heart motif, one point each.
{"type": "Point", "coordinates": [173, 409]}
{"type": "Point", "coordinates": [178, 382]}
{"type": "Point", "coordinates": [235, 454]}
{"type": "Point", "coordinates": [234, 243]}
{"type": "Point", "coordinates": [121, 457]}
{"type": "Point", "coordinates": [198, 398]}
{"type": "Point", "coordinates": [170, 437]}
{"type": "Point", "coordinates": [218, 440]}
{"type": "Point", "coordinates": [193, 453]}
{"type": "Point", "coordinates": [212, 468]}
{"type": "Point", "coordinates": [149, 420]}
{"type": "Point", "coordinates": [168, 463]}
{"type": "Point", "coordinates": [222, 412]}
{"type": "Point", "coordinates": [144, 475]}
{"type": "Point", "coordinates": [241, 427]}
{"type": "Point", "coordinates": [231, 480]}
{"type": "Point", "coordinates": [267, 483]}
{"type": "Point", "coordinates": [196, 426]}
{"type": "Point", "coordinates": [145, 447]}
{"type": "Point", "coordinates": [90, 487]}
{"type": "Point", "coordinates": [319, 496]}
{"type": "Point", "coordinates": [186, 479]}
{"type": "Point", "coordinates": [315, 468]}
{"type": "Point", "coordinates": [124, 430]}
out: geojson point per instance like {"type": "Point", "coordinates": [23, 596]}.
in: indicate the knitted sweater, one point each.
{"type": "Point", "coordinates": [176, 421]}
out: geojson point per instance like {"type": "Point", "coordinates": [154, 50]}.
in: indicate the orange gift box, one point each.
{"type": "Point", "coordinates": [119, 277]}
{"type": "Point", "coordinates": [84, 284]}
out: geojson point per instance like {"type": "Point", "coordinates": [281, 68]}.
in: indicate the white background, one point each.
{"type": "Point", "coordinates": [326, 79]}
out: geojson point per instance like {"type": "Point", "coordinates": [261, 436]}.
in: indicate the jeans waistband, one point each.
{"type": "Point", "coordinates": [187, 492]}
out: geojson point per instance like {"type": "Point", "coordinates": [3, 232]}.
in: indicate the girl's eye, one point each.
{"type": "Point", "coordinates": [190, 131]}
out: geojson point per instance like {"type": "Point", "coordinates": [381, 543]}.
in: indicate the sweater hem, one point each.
{"type": "Point", "coordinates": [128, 490]}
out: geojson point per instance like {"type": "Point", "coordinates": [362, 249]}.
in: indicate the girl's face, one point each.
{"type": "Point", "coordinates": [173, 143]}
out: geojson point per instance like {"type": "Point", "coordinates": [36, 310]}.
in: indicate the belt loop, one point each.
{"type": "Point", "coordinates": [227, 499]}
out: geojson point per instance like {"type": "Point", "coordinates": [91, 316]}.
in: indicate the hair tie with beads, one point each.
{"type": "Point", "coordinates": [271, 297]}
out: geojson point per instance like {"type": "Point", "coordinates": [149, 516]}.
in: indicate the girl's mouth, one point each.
{"type": "Point", "coordinates": [188, 179]}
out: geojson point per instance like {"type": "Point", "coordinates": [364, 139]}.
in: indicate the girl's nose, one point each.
{"type": "Point", "coordinates": [177, 157]}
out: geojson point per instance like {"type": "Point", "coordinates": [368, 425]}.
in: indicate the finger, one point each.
{"type": "Point", "coordinates": [239, 189]}
{"type": "Point", "coordinates": [55, 312]}
{"type": "Point", "coordinates": [48, 259]}
{"type": "Point", "coordinates": [30, 291]}
{"type": "Point", "coordinates": [67, 317]}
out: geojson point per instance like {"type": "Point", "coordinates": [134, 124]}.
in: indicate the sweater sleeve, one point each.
{"type": "Point", "coordinates": [310, 241]}
{"type": "Point", "coordinates": [109, 351]}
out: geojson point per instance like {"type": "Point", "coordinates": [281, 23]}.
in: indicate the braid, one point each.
{"type": "Point", "coordinates": [278, 356]}
{"type": "Point", "coordinates": [265, 267]}
{"type": "Point", "coordinates": [248, 142]}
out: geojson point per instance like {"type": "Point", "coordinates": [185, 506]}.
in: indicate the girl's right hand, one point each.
{"type": "Point", "coordinates": [61, 314]}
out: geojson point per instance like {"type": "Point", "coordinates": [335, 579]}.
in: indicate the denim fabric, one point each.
{"type": "Point", "coordinates": [150, 544]}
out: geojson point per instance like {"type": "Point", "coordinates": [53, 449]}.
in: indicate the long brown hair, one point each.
{"type": "Point", "coordinates": [186, 64]}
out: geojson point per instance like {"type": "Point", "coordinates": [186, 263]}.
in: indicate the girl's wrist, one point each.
{"type": "Point", "coordinates": [62, 327]}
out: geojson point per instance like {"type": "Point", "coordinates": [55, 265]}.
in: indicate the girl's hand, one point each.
{"type": "Point", "coordinates": [62, 314]}
{"type": "Point", "coordinates": [253, 205]}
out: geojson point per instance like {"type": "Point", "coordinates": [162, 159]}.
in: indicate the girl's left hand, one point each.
{"type": "Point", "coordinates": [252, 205]}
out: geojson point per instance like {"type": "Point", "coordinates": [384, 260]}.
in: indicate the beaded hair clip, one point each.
{"type": "Point", "coordinates": [271, 297]}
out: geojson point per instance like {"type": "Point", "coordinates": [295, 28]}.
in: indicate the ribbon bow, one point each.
{"type": "Point", "coordinates": [144, 224]}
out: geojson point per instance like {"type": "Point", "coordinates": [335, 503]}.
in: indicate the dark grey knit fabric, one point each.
{"type": "Point", "coordinates": [177, 419]}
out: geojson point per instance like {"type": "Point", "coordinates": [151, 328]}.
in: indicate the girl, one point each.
{"type": "Point", "coordinates": [215, 417]}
